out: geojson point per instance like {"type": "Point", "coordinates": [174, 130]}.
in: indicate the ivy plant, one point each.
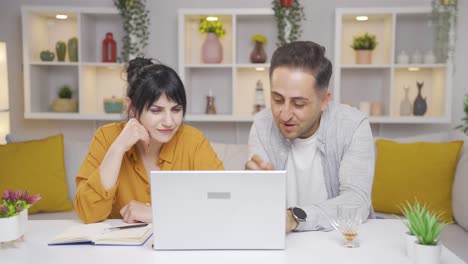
{"type": "Point", "coordinates": [135, 23]}
{"type": "Point", "coordinates": [464, 126]}
{"type": "Point", "coordinates": [288, 21]}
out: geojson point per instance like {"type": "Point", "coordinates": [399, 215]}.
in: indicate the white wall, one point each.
{"type": "Point", "coordinates": [318, 27]}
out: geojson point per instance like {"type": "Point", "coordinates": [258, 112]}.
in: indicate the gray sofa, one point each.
{"type": "Point", "coordinates": [454, 236]}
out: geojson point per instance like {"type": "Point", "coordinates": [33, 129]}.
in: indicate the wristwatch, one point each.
{"type": "Point", "coordinates": [300, 216]}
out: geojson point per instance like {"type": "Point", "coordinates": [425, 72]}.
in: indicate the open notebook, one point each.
{"type": "Point", "coordinates": [104, 234]}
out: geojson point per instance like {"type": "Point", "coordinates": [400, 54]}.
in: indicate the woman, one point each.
{"type": "Point", "coordinates": [113, 180]}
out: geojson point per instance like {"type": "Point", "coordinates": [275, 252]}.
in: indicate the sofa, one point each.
{"type": "Point", "coordinates": [234, 156]}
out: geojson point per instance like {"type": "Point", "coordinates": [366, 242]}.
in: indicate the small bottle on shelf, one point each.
{"type": "Point", "coordinates": [210, 106]}
{"type": "Point", "coordinates": [259, 98]}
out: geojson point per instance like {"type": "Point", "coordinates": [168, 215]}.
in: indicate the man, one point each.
{"type": "Point", "coordinates": [326, 148]}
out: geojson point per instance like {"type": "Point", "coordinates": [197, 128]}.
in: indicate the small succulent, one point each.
{"type": "Point", "coordinates": [65, 92]}
{"type": "Point", "coordinates": [364, 42]}
{"type": "Point", "coordinates": [422, 223]}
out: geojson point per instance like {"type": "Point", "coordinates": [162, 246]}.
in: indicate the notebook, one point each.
{"type": "Point", "coordinates": [218, 209]}
{"type": "Point", "coordinates": [104, 234]}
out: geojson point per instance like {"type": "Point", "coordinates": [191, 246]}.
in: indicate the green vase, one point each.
{"type": "Point", "coordinates": [73, 49]}
{"type": "Point", "coordinates": [61, 50]}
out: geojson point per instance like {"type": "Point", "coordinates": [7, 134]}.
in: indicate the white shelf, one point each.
{"type": "Point", "coordinates": [208, 65]}
{"type": "Point", "coordinates": [104, 64]}
{"type": "Point", "coordinates": [74, 116]}
{"type": "Point", "coordinates": [253, 65]}
{"type": "Point", "coordinates": [54, 63]}
{"type": "Point", "coordinates": [383, 81]}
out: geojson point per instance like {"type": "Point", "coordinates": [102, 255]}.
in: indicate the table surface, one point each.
{"type": "Point", "coordinates": [382, 241]}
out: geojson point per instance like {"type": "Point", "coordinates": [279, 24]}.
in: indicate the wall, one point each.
{"type": "Point", "coordinates": [318, 27]}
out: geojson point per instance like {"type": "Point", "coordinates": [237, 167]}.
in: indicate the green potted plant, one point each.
{"type": "Point", "coordinates": [289, 15]}
{"type": "Point", "coordinates": [258, 54]}
{"type": "Point", "coordinates": [14, 213]}
{"type": "Point", "coordinates": [464, 126]}
{"type": "Point", "coordinates": [135, 24]}
{"type": "Point", "coordinates": [65, 102]}
{"type": "Point", "coordinates": [426, 226]}
{"type": "Point", "coordinates": [364, 44]}
{"type": "Point", "coordinates": [212, 50]}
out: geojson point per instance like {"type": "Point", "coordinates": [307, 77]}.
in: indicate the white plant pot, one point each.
{"type": "Point", "coordinates": [409, 244]}
{"type": "Point", "coordinates": [424, 254]}
{"type": "Point", "coordinates": [14, 227]}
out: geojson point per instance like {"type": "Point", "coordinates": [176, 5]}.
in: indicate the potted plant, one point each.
{"type": "Point", "coordinates": [364, 45]}
{"type": "Point", "coordinates": [65, 102]}
{"type": "Point", "coordinates": [426, 227]}
{"type": "Point", "coordinates": [464, 127]}
{"type": "Point", "coordinates": [289, 14]}
{"type": "Point", "coordinates": [212, 50]}
{"type": "Point", "coordinates": [258, 54]}
{"type": "Point", "coordinates": [14, 214]}
{"type": "Point", "coordinates": [135, 24]}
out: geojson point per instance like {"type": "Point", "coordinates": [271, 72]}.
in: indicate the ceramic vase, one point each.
{"type": "Point", "coordinates": [363, 56]}
{"type": "Point", "coordinates": [420, 104]}
{"type": "Point", "coordinates": [212, 50]}
{"type": "Point", "coordinates": [425, 254]}
{"type": "Point", "coordinates": [73, 49]}
{"type": "Point", "coordinates": [258, 54]}
{"type": "Point", "coordinates": [12, 228]}
{"type": "Point", "coordinates": [405, 105]}
{"type": "Point", "coordinates": [65, 105]}
{"type": "Point", "coordinates": [61, 50]}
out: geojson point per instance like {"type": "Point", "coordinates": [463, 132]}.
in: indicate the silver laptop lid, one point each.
{"type": "Point", "coordinates": [218, 209]}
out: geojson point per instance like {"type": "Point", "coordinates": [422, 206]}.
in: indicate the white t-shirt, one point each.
{"type": "Point", "coordinates": [305, 182]}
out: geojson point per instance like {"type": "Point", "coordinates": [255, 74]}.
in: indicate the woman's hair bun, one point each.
{"type": "Point", "coordinates": [135, 67]}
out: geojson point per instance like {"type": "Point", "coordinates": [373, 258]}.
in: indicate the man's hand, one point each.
{"type": "Point", "coordinates": [136, 211]}
{"type": "Point", "coordinates": [291, 223]}
{"type": "Point", "coordinates": [256, 163]}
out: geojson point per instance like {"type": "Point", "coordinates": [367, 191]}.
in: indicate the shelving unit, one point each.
{"type": "Point", "coordinates": [233, 81]}
{"type": "Point", "coordinates": [382, 81]}
{"type": "Point", "coordinates": [90, 79]}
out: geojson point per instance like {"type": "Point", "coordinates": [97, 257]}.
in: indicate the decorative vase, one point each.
{"type": "Point", "coordinates": [405, 105]}
{"type": "Point", "coordinates": [73, 49]}
{"type": "Point", "coordinates": [65, 105]}
{"type": "Point", "coordinates": [409, 243]}
{"type": "Point", "coordinates": [212, 50]}
{"type": "Point", "coordinates": [363, 56]}
{"type": "Point", "coordinates": [402, 57]}
{"type": "Point", "coordinates": [258, 54]}
{"type": "Point", "coordinates": [210, 105]}
{"type": "Point", "coordinates": [47, 55]}
{"type": "Point", "coordinates": [426, 254]}
{"type": "Point", "coordinates": [286, 3]}
{"type": "Point", "coordinates": [61, 50]}
{"type": "Point", "coordinates": [416, 58]}
{"type": "Point", "coordinates": [109, 48]}
{"type": "Point", "coordinates": [376, 109]}
{"type": "Point", "coordinates": [12, 228]}
{"type": "Point", "coordinates": [113, 105]}
{"type": "Point", "coordinates": [420, 105]}
{"type": "Point", "coordinates": [429, 57]}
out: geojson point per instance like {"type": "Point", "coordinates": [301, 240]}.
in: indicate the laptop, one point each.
{"type": "Point", "coordinates": [197, 210]}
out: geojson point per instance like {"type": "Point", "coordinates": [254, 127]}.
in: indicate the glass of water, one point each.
{"type": "Point", "coordinates": [348, 220]}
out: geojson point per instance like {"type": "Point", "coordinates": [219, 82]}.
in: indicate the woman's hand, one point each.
{"type": "Point", "coordinates": [136, 211]}
{"type": "Point", "coordinates": [131, 134]}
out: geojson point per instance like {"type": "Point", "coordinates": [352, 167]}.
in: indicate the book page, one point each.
{"type": "Point", "coordinates": [129, 236]}
{"type": "Point", "coordinates": [79, 233]}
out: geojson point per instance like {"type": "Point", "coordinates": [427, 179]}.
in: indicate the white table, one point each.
{"type": "Point", "coordinates": [382, 241]}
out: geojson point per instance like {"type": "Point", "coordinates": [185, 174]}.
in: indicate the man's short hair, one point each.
{"type": "Point", "coordinates": [306, 55]}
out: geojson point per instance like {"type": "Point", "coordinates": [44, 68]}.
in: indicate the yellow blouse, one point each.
{"type": "Point", "coordinates": [187, 150]}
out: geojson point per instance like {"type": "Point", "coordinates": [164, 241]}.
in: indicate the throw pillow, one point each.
{"type": "Point", "coordinates": [421, 170]}
{"type": "Point", "coordinates": [37, 166]}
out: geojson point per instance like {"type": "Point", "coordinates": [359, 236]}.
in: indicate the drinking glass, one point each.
{"type": "Point", "coordinates": [348, 219]}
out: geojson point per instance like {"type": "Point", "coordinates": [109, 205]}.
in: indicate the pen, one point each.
{"type": "Point", "coordinates": [126, 227]}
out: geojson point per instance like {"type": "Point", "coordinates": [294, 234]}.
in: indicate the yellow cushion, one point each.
{"type": "Point", "coordinates": [37, 166]}
{"type": "Point", "coordinates": [422, 170]}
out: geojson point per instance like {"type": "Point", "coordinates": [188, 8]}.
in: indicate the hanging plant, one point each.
{"type": "Point", "coordinates": [444, 21]}
{"type": "Point", "coordinates": [135, 23]}
{"type": "Point", "coordinates": [289, 15]}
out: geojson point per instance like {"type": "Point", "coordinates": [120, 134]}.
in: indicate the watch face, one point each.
{"type": "Point", "coordinates": [299, 213]}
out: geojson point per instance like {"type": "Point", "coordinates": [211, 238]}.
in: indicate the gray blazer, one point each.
{"type": "Point", "coordinates": [346, 144]}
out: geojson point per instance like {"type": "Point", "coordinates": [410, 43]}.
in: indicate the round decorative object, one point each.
{"type": "Point", "coordinates": [47, 55]}
{"type": "Point", "coordinates": [420, 104]}
{"type": "Point", "coordinates": [113, 105]}
{"type": "Point", "coordinates": [212, 50]}
{"type": "Point", "coordinates": [258, 54]}
{"type": "Point", "coordinates": [65, 105]}
{"type": "Point", "coordinates": [61, 50]}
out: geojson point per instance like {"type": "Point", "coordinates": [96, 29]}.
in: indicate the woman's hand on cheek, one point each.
{"type": "Point", "coordinates": [131, 134]}
{"type": "Point", "coordinates": [136, 211]}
